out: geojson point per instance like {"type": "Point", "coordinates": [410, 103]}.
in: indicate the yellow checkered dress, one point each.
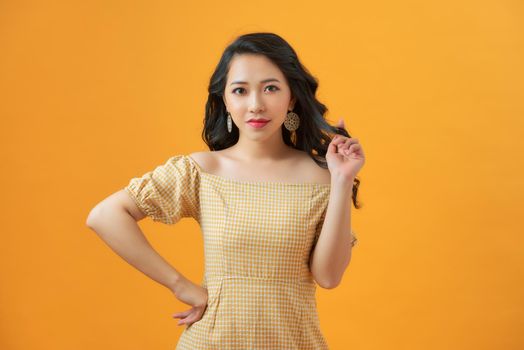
{"type": "Point", "coordinates": [258, 237]}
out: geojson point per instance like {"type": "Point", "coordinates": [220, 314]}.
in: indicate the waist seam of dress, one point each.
{"type": "Point", "coordinates": [286, 280]}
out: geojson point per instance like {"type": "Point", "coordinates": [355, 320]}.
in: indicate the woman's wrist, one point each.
{"type": "Point", "coordinates": [342, 182]}
{"type": "Point", "coordinates": [178, 284]}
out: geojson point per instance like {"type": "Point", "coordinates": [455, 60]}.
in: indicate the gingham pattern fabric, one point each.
{"type": "Point", "coordinates": [258, 238]}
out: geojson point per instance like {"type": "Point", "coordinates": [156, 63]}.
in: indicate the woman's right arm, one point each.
{"type": "Point", "coordinates": [115, 221]}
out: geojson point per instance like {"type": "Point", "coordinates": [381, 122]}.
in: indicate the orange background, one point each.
{"type": "Point", "coordinates": [95, 93]}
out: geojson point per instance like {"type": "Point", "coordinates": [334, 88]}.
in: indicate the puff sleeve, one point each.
{"type": "Point", "coordinates": [169, 192]}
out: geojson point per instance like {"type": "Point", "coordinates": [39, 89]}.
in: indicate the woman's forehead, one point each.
{"type": "Point", "coordinates": [253, 69]}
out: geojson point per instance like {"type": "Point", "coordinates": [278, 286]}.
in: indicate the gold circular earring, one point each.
{"type": "Point", "coordinates": [229, 122]}
{"type": "Point", "coordinates": [292, 121]}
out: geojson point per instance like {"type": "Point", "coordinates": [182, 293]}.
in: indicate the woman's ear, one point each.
{"type": "Point", "coordinates": [292, 104]}
{"type": "Point", "coordinates": [224, 100]}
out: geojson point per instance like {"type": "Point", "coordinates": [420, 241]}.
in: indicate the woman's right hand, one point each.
{"type": "Point", "coordinates": [191, 294]}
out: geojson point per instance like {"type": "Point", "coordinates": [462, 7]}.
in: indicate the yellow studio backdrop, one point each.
{"type": "Point", "coordinates": [95, 93]}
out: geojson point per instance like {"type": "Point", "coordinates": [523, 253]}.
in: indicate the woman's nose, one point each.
{"type": "Point", "coordinates": [256, 104]}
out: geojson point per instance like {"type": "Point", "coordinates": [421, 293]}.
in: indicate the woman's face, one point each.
{"type": "Point", "coordinates": [256, 88]}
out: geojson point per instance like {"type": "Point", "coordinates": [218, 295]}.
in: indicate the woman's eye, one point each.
{"type": "Point", "coordinates": [276, 88]}
{"type": "Point", "coordinates": [270, 86]}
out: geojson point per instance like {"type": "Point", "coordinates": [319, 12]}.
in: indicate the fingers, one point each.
{"type": "Point", "coordinates": [188, 320]}
{"type": "Point", "coordinates": [341, 138]}
{"type": "Point", "coordinates": [343, 142]}
{"type": "Point", "coordinates": [182, 313]}
{"type": "Point", "coordinates": [189, 316]}
{"type": "Point", "coordinates": [344, 148]}
{"type": "Point", "coordinates": [332, 148]}
{"type": "Point", "coordinates": [352, 149]}
{"type": "Point", "coordinates": [183, 316]}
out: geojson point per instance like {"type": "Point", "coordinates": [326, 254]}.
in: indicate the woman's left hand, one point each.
{"type": "Point", "coordinates": [345, 156]}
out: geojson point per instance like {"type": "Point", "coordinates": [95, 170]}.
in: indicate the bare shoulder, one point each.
{"type": "Point", "coordinates": [301, 164]}
{"type": "Point", "coordinates": [316, 173]}
{"type": "Point", "coordinates": [206, 160]}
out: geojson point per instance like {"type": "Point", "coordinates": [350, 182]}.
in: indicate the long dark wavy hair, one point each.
{"type": "Point", "coordinates": [313, 134]}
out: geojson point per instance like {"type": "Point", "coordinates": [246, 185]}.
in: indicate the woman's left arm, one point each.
{"type": "Point", "coordinates": [332, 252]}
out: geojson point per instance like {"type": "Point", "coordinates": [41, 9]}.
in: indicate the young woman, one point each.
{"type": "Point", "coordinates": [273, 199]}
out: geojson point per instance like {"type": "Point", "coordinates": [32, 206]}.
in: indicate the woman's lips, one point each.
{"type": "Point", "coordinates": [258, 124]}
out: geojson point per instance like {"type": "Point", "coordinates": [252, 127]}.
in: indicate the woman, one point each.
{"type": "Point", "coordinates": [272, 196]}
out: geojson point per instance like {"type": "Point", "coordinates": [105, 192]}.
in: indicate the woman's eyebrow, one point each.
{"type": "Point", "coordinates": [262, 81]}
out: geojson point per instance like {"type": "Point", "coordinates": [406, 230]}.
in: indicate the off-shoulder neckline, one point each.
{"type": "Point", "coordinates": [245, 182]}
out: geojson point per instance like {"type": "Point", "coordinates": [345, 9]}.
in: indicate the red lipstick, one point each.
{"type": "Point", "coordinates": [258, 123]}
